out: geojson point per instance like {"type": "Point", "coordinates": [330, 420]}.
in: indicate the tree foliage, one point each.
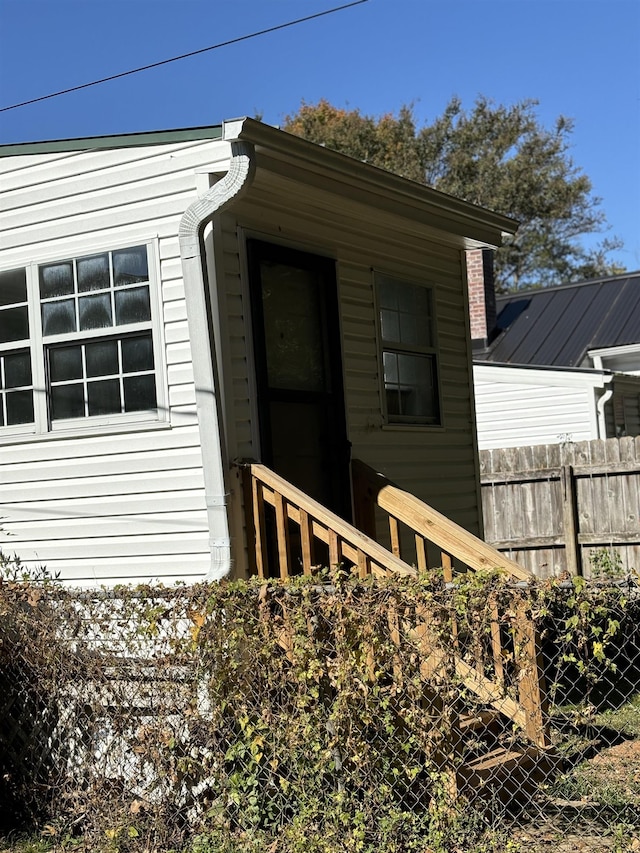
{"type": "Point", "coordinates": [499, 157]}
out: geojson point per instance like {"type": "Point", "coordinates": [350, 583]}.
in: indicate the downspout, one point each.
{"type": "Point", "coordinates": [602, 402]}
{"type": "Point", "coordinates": [201, 332]}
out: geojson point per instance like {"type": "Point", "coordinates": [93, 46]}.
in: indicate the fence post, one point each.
{"type": "Point", "coordinates": [532, 692]}
{"type": "Point", "coordinates": [573, 553]}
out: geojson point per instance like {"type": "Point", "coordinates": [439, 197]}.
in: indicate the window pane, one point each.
{"type": "Point", "coordinates": [104, 397]}
{"type": "Point", "coordinates": [17, 370]}
{"type": "Point", "coordinates": [67, 401]}
{"type": "Point", "coordinates": [137, 354]}
{"type": "Point", "coordinates": [390, 361]}
{"type": "Point", "coordinates": [65, 363]}
{"type": "Point", "coordinates": [19, 407]}
{"type": "Point", "coordinates": [392, 390]}
{"type": "Point", "coordinates": [14, 324]}
{"type": "Point", "coordinates": [13, 287]}
{"type": "Point", "coordinates": [139, 393]}
{"type": "Point", "coordinates": [130, 266]}
{"type": "Point", "coordinates": [93, 273]}
{"type": "Point", "coordinates": [411, 386]}
{"type": "Point", "coordinates": [58, 317]}
{"type": "Point", "coordinates": [293, 328]}
{"type": "Point", "coordinates": [387, 293]}
{"type": "Point", "coordinates": [132, 306]}
{"type": "Point", "coordinates": [102, 358]}
{"type": "Point", "coordinates": [56, 280]}
{"type": "Point", "coordinates": [417, 384]}
{"type": "Point", "coordinates": [95, 312]}
{"type": "Point", "coordinates": [390, 325]}
{"type": "Point", "coordinates": [415, 316]}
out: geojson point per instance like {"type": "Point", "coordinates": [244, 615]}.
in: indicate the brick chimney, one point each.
{"type": "Point", "coordinates": [482, 296]}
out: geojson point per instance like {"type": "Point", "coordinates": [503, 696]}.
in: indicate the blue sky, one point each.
{"type": "Point", "coordinates": [579, 58]}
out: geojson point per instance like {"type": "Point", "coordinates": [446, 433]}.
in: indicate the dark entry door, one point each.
{"type": "Point", "coordinates": [299, 371]}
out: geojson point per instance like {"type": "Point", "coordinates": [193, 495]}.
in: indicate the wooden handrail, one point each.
{"type": "Point", "coordinates": [315, 521]}
{"type": "Point", "coordinates": [427, 523]}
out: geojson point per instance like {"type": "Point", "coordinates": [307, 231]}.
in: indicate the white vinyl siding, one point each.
{"type": "Point", "coordinates": [518, 406]}
{"type": "Point", "coordinates": [439, 464]}
{"type": "Point", "coordinates": [127, 505]}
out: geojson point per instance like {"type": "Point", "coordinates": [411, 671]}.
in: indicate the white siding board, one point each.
{"type": "Point", "coordinates": [106, 506]}
{"type": "Point", "coordinates": [180, 374]}
{"type": "Point", "coordinates": [44, 450]}
{"type": "Point", "coordinates": [106, 466]}
{"type": "Point", "coordinates": [149, 524]}
{"type": "Point", "coordinates": [182, 395]}
{"type": "Point", "coordinates": [176, 332]}
{"type": "Point", "coordinates": [88, 488]}
{"type": "Point", "coordinates": [178, 353]}
{"type": "Point", "coordinates": [173, 290]}
{"type": "Point", "coordinates": [175, 312]}
{"type": "Point", "coordinates": [167, 569]}
{"type": "Point", "coordinates": [123, 547]}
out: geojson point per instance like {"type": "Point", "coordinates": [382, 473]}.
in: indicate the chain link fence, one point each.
{"type": "Point", "coordinates": [378, 715]}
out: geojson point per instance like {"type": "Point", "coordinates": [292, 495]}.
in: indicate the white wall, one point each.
{"type": "Point", "coordinates": [519, 406]}
{"type": "Point", "coordinates": [109, 505]}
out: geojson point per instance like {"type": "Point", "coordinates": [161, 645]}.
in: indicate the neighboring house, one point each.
{"type": "Point", "coordinates": [555, 364]}
{"type": "Point", "coordinates": [171, 302]}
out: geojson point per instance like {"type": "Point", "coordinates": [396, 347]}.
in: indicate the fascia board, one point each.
{"type": "Point", "coordinates": [118, 140]}
{"type": "Point", "coordinates": [539, 377]}
{"type": "Point", "coordinates": [607, 352]}
{"type": "Point", "coordinates": [370, 184]}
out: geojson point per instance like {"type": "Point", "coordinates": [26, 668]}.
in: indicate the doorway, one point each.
{"type": "Point", "coordinates": [298, 363]}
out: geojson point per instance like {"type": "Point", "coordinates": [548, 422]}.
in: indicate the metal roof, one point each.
{"type": "Point", "coordinates": [557, 326]}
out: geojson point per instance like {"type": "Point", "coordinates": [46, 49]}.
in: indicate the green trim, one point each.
{"type": "Point", "coordinates": [119, 140]}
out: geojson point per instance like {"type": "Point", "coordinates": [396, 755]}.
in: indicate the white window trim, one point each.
{"type": "Point", "coordinates": [42, 428]}
{"type": "Point", "coordinates": [407, 423]}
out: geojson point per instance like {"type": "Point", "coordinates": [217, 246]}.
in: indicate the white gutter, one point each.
{"type": "Point", "coordinates": [201, 332]}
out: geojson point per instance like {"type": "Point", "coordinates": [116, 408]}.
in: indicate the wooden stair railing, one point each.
{"type": "Point", "coordinates": [374, 495]}
{"type": "Point", "coordinates": [428, 525]}
{"type": "Point", "coordinates": [295, 513]}
{"type": "Point", "coordinates": [264, 488]}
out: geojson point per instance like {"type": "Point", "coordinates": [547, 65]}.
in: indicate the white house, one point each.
{"type": "Point", "coordinates": [554, 364]}
{"type": "Point", "coordinates": [171, 302]}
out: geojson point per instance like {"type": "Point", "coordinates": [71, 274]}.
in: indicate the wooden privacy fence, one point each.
{"type": "Point", "coordinates": [550, 506]}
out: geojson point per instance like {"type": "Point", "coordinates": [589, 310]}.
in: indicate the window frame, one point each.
{"type": "Point", "coordinates": [43, 426]}
{"type": "Point", "coordinates": [385, 345]}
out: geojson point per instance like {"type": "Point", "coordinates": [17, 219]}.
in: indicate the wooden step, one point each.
{"type": "Point", "coordinates": [480, 721]}
{"type": "Point", "coordinates": [507, 773]}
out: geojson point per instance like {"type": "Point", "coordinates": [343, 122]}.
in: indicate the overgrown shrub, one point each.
{"type": "Point", "coordinates": [316, 715]}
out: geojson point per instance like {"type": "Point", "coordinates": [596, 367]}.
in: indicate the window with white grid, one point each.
{"type": "Point", "coordinates": [78, 342]}
{"type": "Point", "coordinates": [409, 352]}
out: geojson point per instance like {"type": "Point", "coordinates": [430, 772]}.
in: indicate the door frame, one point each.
{"type": "Point", "coordinates": [259, 248]}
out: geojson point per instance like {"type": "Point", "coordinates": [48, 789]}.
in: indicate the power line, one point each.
{"type": "Point", "coordinates": [184, 55]}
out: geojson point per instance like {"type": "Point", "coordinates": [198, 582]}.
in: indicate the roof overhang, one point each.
{"type": "Point", "coordinates": [279, 151]}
